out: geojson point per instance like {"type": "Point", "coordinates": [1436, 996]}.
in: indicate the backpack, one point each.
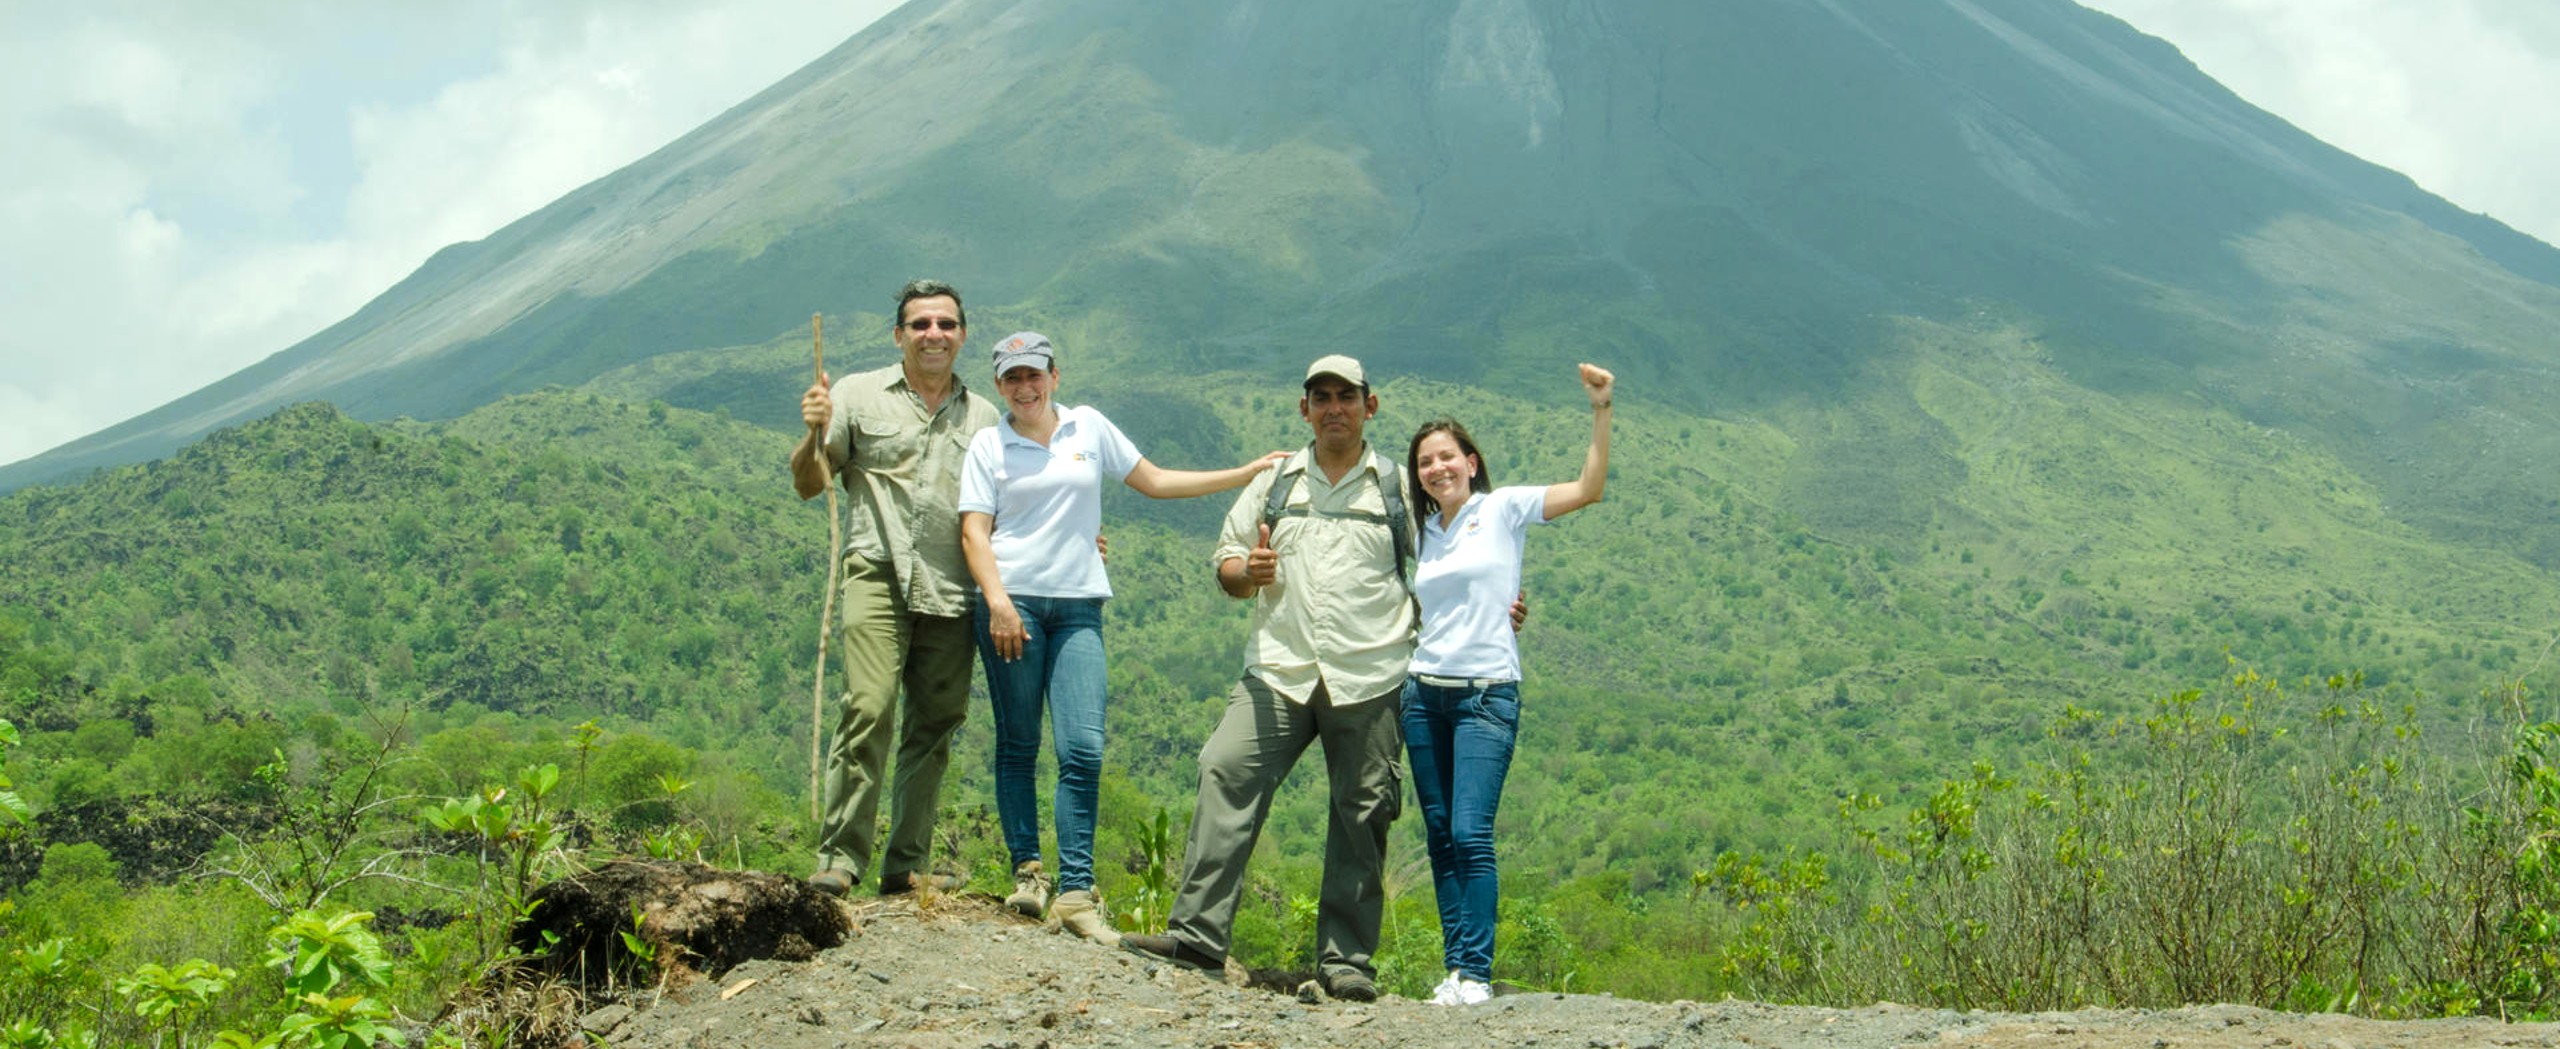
{"type": "Point", "coordinates": [1390, 494]}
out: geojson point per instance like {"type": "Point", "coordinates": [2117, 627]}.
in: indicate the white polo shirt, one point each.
{"type": "Point", "coordinates": [1047, 501]}
{"type": "Point", "coordinates": [1466, 578]}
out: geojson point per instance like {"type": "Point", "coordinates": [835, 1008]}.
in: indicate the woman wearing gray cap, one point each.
{"type": "Point", "coordinates": [1030, 510]}
{"type": "Point", "coordinates": [1461, 704]}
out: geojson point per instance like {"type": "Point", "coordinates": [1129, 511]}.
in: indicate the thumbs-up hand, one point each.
{"type": "Point", "coordinates": [1262, 566]}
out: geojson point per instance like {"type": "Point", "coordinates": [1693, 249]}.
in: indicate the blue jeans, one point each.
{"type": "Point", "coordinates": [1061, 665]}
{"type": "Point", "coordinates": [1460, 742]}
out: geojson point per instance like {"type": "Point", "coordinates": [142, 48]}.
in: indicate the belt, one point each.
{"type": "Point", "coordinates": [1477, 683]}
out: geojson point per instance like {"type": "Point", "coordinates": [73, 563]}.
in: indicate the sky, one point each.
{"type": "Point", "coordinates": [191, 187]}
{"type": "Point", "coordinates": [2456, 94]}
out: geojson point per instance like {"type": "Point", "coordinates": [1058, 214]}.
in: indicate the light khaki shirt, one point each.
{"type": "Point", "coordinates": [900, 463]}
{"type": "Point", "coordinates": [1337, 613]}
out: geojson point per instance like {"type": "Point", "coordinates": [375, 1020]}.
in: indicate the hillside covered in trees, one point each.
{"type": "Point", "coordinates": [1739, 723]}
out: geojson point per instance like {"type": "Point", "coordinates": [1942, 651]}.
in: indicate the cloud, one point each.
{"type": "Point", "coordinates": [194, 187]}
{"type": "Point", "coordinates": [2452, 93]}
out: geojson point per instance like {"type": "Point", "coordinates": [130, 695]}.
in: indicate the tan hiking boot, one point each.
{"type": "Point", "coordinates": [1030, 890]}
{"type": "Point", "coordinates": [1076, 910]}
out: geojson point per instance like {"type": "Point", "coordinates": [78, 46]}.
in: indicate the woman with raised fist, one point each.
{"type": "Point", "coordinates": [1461, 703]}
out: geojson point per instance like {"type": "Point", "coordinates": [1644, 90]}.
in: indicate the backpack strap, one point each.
{"type": "Point", "coordinates": [1390, 497]}
{"type": "Point", "coordinates": [1283, 483]}
{"type": "Point", "coordinates": [1399, 523]}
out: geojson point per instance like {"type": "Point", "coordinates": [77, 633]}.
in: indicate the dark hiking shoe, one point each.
{"type": "Point", "coordinates": [1351, 986]}
{"type": "Point", "coordinates": [902, 884]}
{"type": "Point", "coordinates": [834, 881]}
{"type": "Point", "coordinates": [1156, 946]}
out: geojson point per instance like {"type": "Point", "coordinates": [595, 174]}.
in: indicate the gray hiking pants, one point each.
{"type": "Point", "coordinates": [1256, 743]}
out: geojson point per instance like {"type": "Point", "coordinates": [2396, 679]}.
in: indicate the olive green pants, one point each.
{"type": "Point", "coordinates": [888, 652]}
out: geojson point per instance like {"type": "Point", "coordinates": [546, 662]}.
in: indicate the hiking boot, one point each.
{"type": "Point", "coordinates": [1351, 985]}
{"type": "Point", "coordinates": [1076, 909]}
{"type": "Point", "coordinates": [1447, 992]}
{"type": "Point", "coordinates": [902, 884]}
{"type": "Point", "coordinates": [1162, 947]}
{"type": "Point", "coordinates": [1030, 890]}
{"type": "Point", "coordinates": [1473, 992]}
{"type": "Point", "coordinates": [834, 881]}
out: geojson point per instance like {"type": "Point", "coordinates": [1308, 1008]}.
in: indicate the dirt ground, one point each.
{"type": "Point", "coordinates": [963, 973]}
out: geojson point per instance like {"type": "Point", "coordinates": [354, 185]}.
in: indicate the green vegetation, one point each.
{"type": "Point", "coordinates": [1961, 425]}
{"type": "Point", "coordinates": [2296, 850]}
{"type": "Point", "coordinates": [312, 668]}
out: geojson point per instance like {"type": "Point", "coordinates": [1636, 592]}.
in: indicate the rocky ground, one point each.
{"type": "Point", "coordinates": [961, 972]}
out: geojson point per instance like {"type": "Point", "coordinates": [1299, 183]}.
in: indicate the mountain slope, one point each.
{"type": "Point", "coordinates": [1732, 202]}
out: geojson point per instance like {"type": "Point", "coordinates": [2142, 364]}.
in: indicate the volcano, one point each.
{"type": "Point", "coordinates": [1747, 205]}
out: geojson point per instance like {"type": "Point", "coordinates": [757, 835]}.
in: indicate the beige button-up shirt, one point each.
{"type": "Point", "coordinates": [900, 463]}
{"type": "Point", "coordinates": [1336, 614]}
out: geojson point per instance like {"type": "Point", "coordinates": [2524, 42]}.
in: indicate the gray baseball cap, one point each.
{"type": "Point", "coordinates": [1340, 367]}
{"type": "Point", "coordinates": [1024, 348]}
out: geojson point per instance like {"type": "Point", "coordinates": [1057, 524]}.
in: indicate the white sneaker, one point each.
{"type": "Point", "coordinates": [1447, 992]}
{"type": "Point", "coordinates": [1473, 992]}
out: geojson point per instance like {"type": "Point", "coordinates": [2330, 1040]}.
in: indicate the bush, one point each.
{"type": "Point", "coordinates": [2293, 850]}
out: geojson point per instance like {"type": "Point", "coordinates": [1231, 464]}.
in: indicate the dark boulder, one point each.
{"type": "Point", "coordinates": [691, 917]}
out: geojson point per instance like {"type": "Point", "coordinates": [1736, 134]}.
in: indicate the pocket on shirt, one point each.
{"type": "Point", "coordinates": [881, 446]}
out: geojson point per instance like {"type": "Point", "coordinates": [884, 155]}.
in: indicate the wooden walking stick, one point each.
{"type": "Point", "coordinates": [827, 616]}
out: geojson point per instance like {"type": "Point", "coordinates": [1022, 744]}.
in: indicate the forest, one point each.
{"type": "Point", "coordinates": [298, 717]}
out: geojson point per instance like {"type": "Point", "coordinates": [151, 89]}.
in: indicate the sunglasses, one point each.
{"type": "Point", "coordinates": [922, 324]}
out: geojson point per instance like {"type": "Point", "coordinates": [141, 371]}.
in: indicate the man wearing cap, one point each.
{"type": "Point", "coordinates": [1332, 634]}
{"type": "Point", "coordinates": [896, 436]}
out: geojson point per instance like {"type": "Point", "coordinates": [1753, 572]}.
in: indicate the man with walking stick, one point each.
{"type": "Point", "coordinates": [896, 436]}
